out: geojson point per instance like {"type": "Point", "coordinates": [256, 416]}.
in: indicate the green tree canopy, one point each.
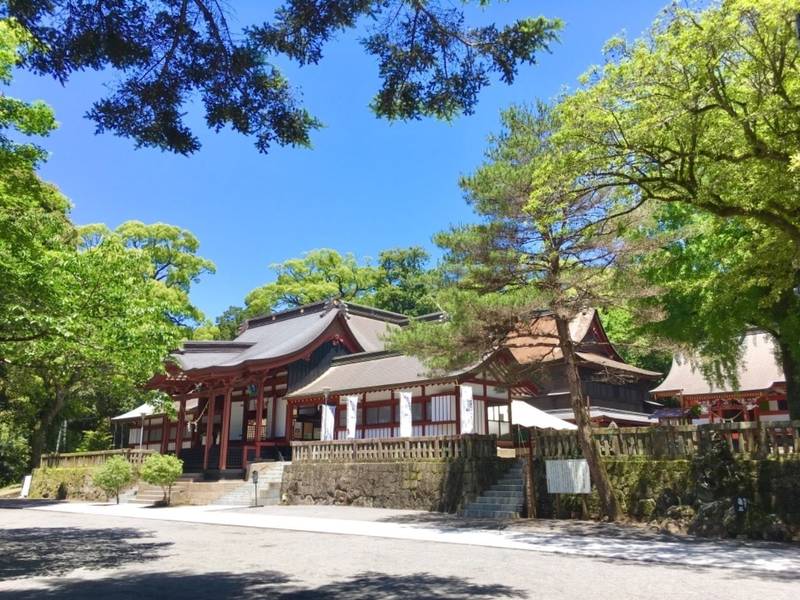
{"type": "Point", "coordinates": [432, 60]}
{"type": "Point", "coordinates": [171, 253]}
{"type": "Point", "coordinates": [703, 114]}
{"type": "Point", "coordinates": [405, 284]}
{"type": "Point", "coordinates": [704, 110]}
{"type": "Point", "coordinates": [114, 333]}
{"type": "Point", "coordinates": [318, 275]}
{"type": "Point", "coordinates": [34, 228]}
{"type": "Point", "coordinates": [400, 282]}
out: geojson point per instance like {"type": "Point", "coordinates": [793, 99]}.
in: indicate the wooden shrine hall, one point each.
{"type": "Point", "coordinates": [247, 399]}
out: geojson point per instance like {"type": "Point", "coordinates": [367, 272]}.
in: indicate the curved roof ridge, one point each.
{"type": "Point", "coordinates": [324, 306]}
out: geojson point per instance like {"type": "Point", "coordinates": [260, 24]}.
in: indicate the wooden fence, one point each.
{"type": "Point", "coordinates": [396, 449]}
{"type": "Point", "coordinates": [89, 459]}
{"type": "Point", "coordinates": [751, 439]}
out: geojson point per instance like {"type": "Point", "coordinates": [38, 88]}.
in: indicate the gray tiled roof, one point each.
{"type": "Point", "coordinates": [609, 363]}
{"type": "Point", "coordinates": [758, 369]}
{"type": "Point", "coordinates": [363, 372]}
{"type": "Point", "coordinates": [283, 334]}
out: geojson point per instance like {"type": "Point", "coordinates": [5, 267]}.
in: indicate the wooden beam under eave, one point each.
{"type": "Point", "coordinates": [226, 430]}
{"type": "Point", "coordinates": [212, 399]}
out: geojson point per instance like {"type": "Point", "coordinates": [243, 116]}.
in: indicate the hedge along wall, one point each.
{"type": "Point", "coordinates": [651, 489]}
{"type": "Point", "coordinates": [436, 485]}
{"type": "Point", "coordinates": [67, 483]}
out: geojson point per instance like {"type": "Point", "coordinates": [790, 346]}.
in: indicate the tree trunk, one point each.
{"type": "Point", "coordinates": [40, 429]}
{"type": "Point", "coordinates": [580, 407]}
{"type": "Point", "coordinates": [791, 370]}
{"type": "Point", "coordinates": [37, 444]}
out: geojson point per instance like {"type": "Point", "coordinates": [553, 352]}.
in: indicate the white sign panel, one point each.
{"type": "Point", "coordinates": [26, 487]}
{"type": "Point", "coordinates": [568, 476]}
{"type": "Point", "coordinates": [328, 413]}
{"type": "Point", "coordinates": [352, 416]}
{"type": "Point", "coordinates": [467, 410]}
{"type": "Point", "coordinates": [405, 414]}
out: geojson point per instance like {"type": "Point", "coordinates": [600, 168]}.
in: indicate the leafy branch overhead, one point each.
{"type": "Point", "coordinates": [432, 61]}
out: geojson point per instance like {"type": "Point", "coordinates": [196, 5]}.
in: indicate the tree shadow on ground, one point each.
{"type": "Point", "coordinates": [19, 503]}
{"type": "Point", "coordinates": [742, 559]}
{"type": "Point", "coordinates": [446, 522]}
{"type": "Point", "coordinates": [265, 584]}
{"type": "Point", "coordinates": [48, 551]}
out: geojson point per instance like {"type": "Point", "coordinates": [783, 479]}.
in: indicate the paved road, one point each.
{"type": "Point", "coordinates": [49, 555]}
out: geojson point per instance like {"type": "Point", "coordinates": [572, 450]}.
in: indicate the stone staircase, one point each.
{"type": "Point", "coordinates": [504, 500]}
{"type": "Point", "coordinates": [189, 489]}
{"type": "Point", "coordinates": [270, 476]}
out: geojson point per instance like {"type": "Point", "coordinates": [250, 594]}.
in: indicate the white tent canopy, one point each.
{"type": "Point", "coordinates": [525, 415]}
{"type": "Point", "coordinates": [145, 410]}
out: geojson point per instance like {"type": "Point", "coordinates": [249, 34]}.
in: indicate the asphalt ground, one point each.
{"type": "Point", "coordinates": [47, 555]}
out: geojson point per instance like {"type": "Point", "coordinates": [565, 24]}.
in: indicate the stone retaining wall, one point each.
{"type": "Point", "coordinates": [66, 483]}
{"type": "Point", "coordinates": [436, 485]}
{"type": "Point", "coordinates": [678, 496]}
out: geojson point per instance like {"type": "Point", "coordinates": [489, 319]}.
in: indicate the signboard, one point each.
{"type": "Point", "coordinates": [352, 416]}
{"type": "Point", "coordinates": [328, 414]}
{"type": "Point", "coordinates": [405, 414]}
{"type": "Point", "coordinates": [26, 487]}
{"type": "Point", "coordinates": [467, 410]}
{"type": "Point", "coordinates": [568, 476]}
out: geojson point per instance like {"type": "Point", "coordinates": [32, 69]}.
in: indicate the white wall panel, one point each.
{"type": "Point", "coordinates": [480, 417]}
{"type": "Point", "coordinates": [280, 417]}
{"type": "Point", "coordinates": [443, 408]}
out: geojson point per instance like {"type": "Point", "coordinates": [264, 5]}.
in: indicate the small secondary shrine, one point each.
{"type": "Point", "coordinates": [758, 394]}
{"type": "Point", "coordinates": [290, 375]}
{"type": "Point", "coordinates": [617, 392]}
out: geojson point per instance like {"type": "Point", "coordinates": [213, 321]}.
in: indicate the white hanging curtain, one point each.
{"type": "Point", "coordinates": [328, 414]}
{"type": "Point", "coordinates": [467, 410]}
{"type": "Point", "coordinates": [405, 414]}
{"type": "Point", "coordinates": [352, 416]}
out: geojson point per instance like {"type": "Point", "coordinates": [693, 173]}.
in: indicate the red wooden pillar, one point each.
{"type": "Point", "coordinates": [458, 410]}
{"type": "Point", "coordinates": [226, 430]}
{"type": "Point", "coordinates": [165, 426]}
{"type": "Point", "coordinates": [427, 406]}
{"type": "Point", "coordinates": [274, 400]}
{"type": "Point", "coordinates": [511, 422]}
{"type": "Point", "coordinates": [289, 421]}
{"type": "Point", "coordinates": [212, 401]}
{"type": "Point", "coordinates": [181, 425]}
{"type": "Point", "coordinates": [363, 416]}
{"type": "Point", "coordinates": [259, 417]}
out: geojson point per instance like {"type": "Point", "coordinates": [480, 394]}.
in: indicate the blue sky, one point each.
{"type": "Point", "coordinates": [365, 186]}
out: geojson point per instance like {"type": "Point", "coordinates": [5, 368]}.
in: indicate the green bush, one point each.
{"type": "Point", "coordinates": [113, 476]}
{"type": "Point", "coordinates": [95, 440]}
{"type": "Point", "coordinates": [162, 470]}
{"type": "Point", "coordinates": [14, 455]}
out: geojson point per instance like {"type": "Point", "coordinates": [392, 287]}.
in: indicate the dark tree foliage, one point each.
{"type": "Point", "coordinates": [229, 322]}
{"type": "Point", "coordinates": [168, 52]}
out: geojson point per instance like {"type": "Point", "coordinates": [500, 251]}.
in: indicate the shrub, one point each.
{"type": "Point", "coordinates": [95, 440]}
{"type": "Point", "coordinates": [14, 455]}
{"type": "Point", "coordinates": [114, 475]}
{"type": "Point", "coordinates": [163, 470]}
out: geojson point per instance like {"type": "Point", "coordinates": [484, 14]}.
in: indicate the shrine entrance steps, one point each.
{"type": "Point", "coordinates": [504, 500]}
{"type": "Point", "coordinates": [270, 476]}
{"type": "Point", "coordinates": [189, 489]}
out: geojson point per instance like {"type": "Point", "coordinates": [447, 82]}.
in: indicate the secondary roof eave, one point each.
{"type": "Point", "coordinates": [316, 388]}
